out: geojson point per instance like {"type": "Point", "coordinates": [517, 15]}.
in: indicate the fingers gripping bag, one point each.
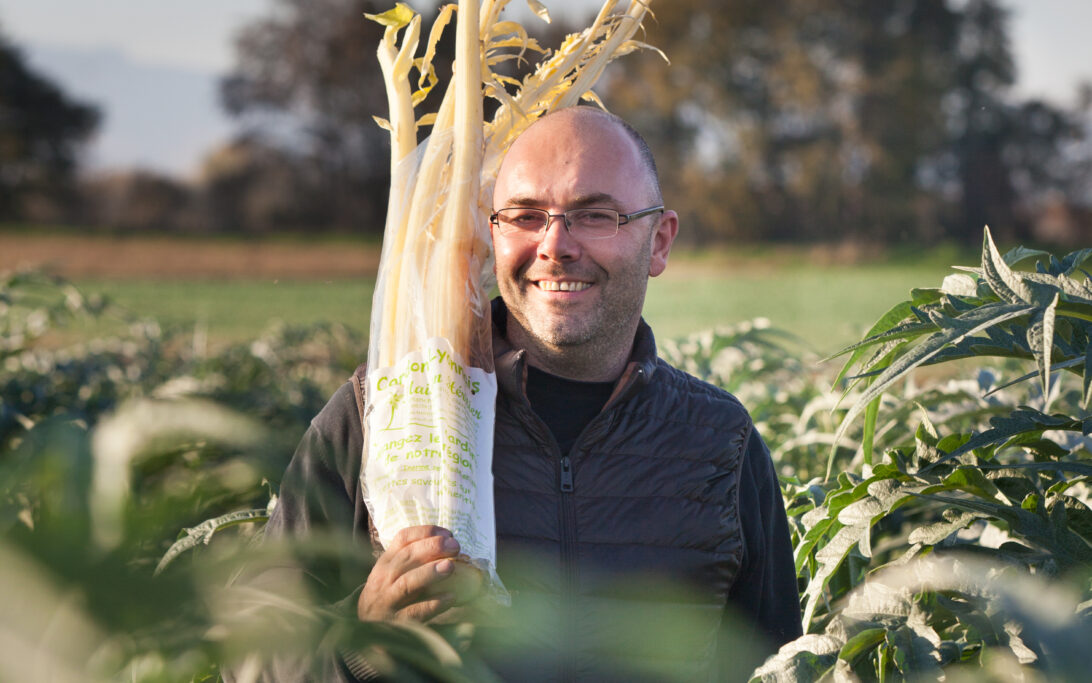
{"type": "Point", "coordinates": [431, 388]}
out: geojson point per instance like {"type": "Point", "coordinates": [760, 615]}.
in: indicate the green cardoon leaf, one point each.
{"type": "Point", "coordinates": [1030, 502]}
{"type": "Point", "coordinates": [829, 558]}
{"type": "Point", "coordinates": [808, 658]}
{"type": "Point", "coordinates": [1074, 260]}
{"type": "Point", "coordinates": [1075, 309]}
{"type": "Point", "coordinates": [1087, 392]}
{"type": "Point", "coordinates": [868, 502]}
{"type": "Point", "coordinates": [972, 480]}
{"type": "Point", "coordinates": [860, 644]}
{"type": "Point", "coordinates": [932, 534]}
{"type": "Point", "coordinates": [1041, 340]}
{"type": "Point", "coordinates": [1020, 421]}
{"type": "Point", "coordinates": [1074, 362]}
{"type": "Point", "coordinates": [1086, 286]}
{"type": "Point", "coordinates": [1079, 516]}
{"type": "Point", "coordinates": [1022, 253]}
{"type": "Point", "coordinates": [864, 513]}
{"type": "Point", "coordinates": [888, 322]}
{"type": "Point", "coordinates": [1052, 535]}
{"type": "Point", "coordinates": [879, 361]}
{"type": "Point", "coordinates": [203, 533]}
{"type": "Point", "coordinates": [970, 323]}
{"type": "Point", "coordinates": [1043, 448]}
{"type": "Point", "coordinates": [1002, 280]}
{"type": "Point", "coordinates": [1058, 282]}
{"type": "Point", "coordinates": [915, 650]}
{"type": "Point", "coordinates": [811, 539]}
{"type": "Point", "coordinates": [869, 431]}
{"type": "Point", "coordinates": [959, 285]}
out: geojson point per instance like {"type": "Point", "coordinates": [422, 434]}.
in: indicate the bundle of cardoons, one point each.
{"type": "Point", "coordinates": [431, 387]}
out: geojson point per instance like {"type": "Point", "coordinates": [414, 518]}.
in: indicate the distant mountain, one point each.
{"type": "Point", "coordinates": [154, 117]}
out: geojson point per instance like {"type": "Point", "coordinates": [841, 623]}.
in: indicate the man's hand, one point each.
{"type": "Point", "coordinates": [402, 584]}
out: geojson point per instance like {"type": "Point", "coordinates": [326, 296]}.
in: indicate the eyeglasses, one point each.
{"type": "Point", "coordinates": [591, 224]}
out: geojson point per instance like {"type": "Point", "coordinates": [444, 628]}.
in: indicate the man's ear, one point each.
{"type": "Point", "coordinates": [662, 237]}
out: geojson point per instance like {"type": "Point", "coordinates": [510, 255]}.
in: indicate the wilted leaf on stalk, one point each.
{"type": "Point", "coordinates": [425, 67]}
{"type": "Point", "coordinates": [396, 17]}
{"type": "Point", "coordinates": [539, 9]}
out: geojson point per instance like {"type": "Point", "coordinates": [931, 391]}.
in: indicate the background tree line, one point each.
{"type": "Point", "coordinates": [801, 120]}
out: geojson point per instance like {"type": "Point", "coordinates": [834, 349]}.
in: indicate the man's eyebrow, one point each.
{"type": "Point", "coordinates": [597, 199]}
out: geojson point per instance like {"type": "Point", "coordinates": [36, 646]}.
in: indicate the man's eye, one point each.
{"type": "Point", "coordinates": [524, 218]}
{"type": "Point", "coordinates": [593, 217]}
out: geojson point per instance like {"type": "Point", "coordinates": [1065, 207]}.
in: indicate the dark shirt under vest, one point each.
{"type": "Point", "coordinates": [565, 405]}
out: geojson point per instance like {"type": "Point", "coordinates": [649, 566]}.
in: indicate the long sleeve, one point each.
{"type": "Point", "coordinates": [765, 592]}
{"type": "Point", "coordinates": [320, 487]}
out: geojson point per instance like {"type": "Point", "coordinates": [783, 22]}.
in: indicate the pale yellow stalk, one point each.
{"type": "Point", "coordinates": [436, 246]}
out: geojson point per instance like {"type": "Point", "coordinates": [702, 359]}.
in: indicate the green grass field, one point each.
{"type": "Point", "coordinates": [238, 309]}
{"type": "Point", "coordinates": [827, 306]}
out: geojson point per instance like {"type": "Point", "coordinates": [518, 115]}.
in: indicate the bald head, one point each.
{"type": "Point", "coordinates": [585, 119]}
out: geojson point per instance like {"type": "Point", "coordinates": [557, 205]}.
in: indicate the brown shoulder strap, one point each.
{"type": "Point", "coordinates": [358, 389]}
{"type": "Point", "coordinates": [358, 393]}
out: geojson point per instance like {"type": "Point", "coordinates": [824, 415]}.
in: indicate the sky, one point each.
{"type": "Point", "coordinates": [153, 65]}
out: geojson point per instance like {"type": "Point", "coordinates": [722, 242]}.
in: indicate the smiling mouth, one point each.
{"type": "Point", "coordinates": [562, 286]}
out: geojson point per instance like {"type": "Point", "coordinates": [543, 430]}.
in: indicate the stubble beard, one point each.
{"type": "Point", "coordinates": [571, 341]}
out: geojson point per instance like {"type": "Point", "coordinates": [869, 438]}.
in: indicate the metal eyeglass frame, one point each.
{"type": "Point", "coordinates": [623, 218]}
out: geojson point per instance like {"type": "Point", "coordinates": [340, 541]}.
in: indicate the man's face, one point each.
{"type": "Point", "coordinates": [566, 294]}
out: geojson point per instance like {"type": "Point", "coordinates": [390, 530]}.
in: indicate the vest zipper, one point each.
{"type": "Point", "coordinates": [568, 564]}
{"type": "Point", "coordinates": [566, 475]}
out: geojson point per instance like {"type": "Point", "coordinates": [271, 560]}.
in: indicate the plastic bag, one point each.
{"type": "Point", "coordinates": [431, 389]}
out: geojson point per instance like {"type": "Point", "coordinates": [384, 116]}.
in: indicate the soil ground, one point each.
{"type": "Point", "coordinates": [79, 257]}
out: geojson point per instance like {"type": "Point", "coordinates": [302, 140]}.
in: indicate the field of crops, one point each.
{"type": "Point", "coordinates": [232, 291]}
{"type": "Point", "coordinates": [940, 526]}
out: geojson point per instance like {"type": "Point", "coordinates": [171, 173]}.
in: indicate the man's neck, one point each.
{"type": "Point", "coordinates": [584, 363]}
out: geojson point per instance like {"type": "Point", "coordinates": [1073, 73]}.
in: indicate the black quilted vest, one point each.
{"type": "Point", "coordinates": [620, 554]}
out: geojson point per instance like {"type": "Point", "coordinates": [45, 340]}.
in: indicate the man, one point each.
{"type": "Point", "coordinates": [628, 495]}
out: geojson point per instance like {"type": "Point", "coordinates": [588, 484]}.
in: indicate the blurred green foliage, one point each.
{"type": "Point", "coordinates": [955, 536]}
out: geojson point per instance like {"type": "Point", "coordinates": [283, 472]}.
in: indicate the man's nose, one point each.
{"type": "Point", "coordinates": [557, 244]}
